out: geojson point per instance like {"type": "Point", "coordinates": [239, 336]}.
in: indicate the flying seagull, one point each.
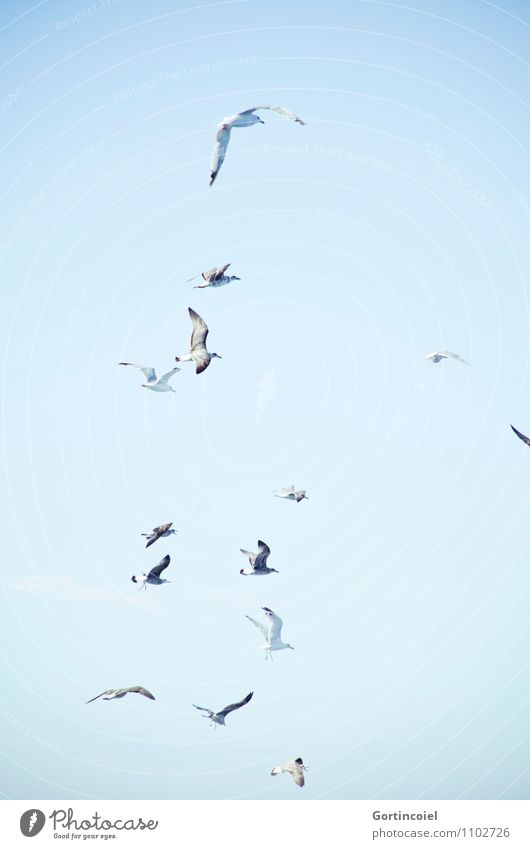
{"type": "Point", "coordinates": [257, 561]}
{"type": "Point", "coordinates": [218, 718]}
{"type": "Point", "coordinates": [215, 277]}
{"type": "Point", "coordinates": [521, 435]}
{"type": "Point", "coordinates": [119, 694]}
{"type": "Point", "coordinates": [436, 356]}
{"type": "Point", "coordinates": [295, 768]}
{"type": "Point", "coordinates": [158, 533]}
{"type": "Point", "coordinates": [157, 384]}
{"type": "Point", "coordinates": [272, 632]}
{"type": "Point", "coordinates": [291, 494]}
{"type": "Point", "coordinates": [153, 577]}
{"type": "Point", "coordinates": [198, 353]}
{"type": "Point", "coordinates": [242, 119]}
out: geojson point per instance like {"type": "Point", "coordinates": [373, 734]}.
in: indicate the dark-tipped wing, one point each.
{"type": "Point", "coordinates": [235, 706]}
{"type": "Point", "coordinates": [281, 110]}
{"type": "Point", "coordinates": [262, 555]}
{"type": "Point", "coordinates": [199, 331]}
{"type": "Point", "coordinates": [250, 555]}
{"type": "Point", "coordinates": [104, 693]}
{"type": "Point", "coordinates": [206, 710]}
{"type": "Point", "coordinates": [520, 435]}
{"type": "Point", "coordinates": [142, 691]}
{"type": "Point", "coordinates": [220, 272]}
{"type": "Point", "coordinates": [219, 152]}
{"type": "Point", "coordinates": [157, 570]}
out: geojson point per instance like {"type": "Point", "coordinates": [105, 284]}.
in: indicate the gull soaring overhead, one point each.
{"type": "Point", "coordinates": [291, 494]}
{"type": "Point", "coordinates": [198, 353]}
{"type": "Point", "coordinates": [257, 561]}
{"type": "Point", "coordinates": [272, 632]}
{"type": "Point", "coordinates": [520, 435]}
{"type": "Point", "coordinates": [215, 277]}
{"type": "Point", "coordinates": [294, 768]}
{"type": "Point", "coordinates": [153, 577]}
{"type": "Point", "coordinates": [119, 694]}
{"type": "Point", "coordinates": [158, 533]}
{"type": "Point", "coordinates": [436, 356]}
{"type": "Point", "coordinates": [218, 717]}
{"type": "Point", "coordinates": [157, 384]}
{"type": "Point", "coordinates": [242, 119]}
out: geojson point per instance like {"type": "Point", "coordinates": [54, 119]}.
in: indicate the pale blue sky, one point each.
{"type": "Point", "coordinates": [394, 223]}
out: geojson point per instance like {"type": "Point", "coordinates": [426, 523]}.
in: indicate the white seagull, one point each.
{"type": "Point", "coordinates": [242, 119]}
{"type": "Point", "coordinates": [218, 717]}
{"type": "Point", "coordinates": [291, 493]}
{"type": "Point", "coordinates": [198, 353]}
{"type": "Point", "coordinates": [215, 277]}
{"type": "Point", "coordinates": [157, 384]}
{"type": "Point", "coordinates": [153, 577]}
{"type": "Point", "coordinates": [257, 561]}
{"type": "Point", "coordinates": [159, 532]}
{"type": "Point", "coordinates": [119, 694]}
{"type": "Point", "coordinates": [436, 356]}
{"type": "Point", "coordinates": [272, 632]}
{"type": "Point", "coordinates": [294, 768]}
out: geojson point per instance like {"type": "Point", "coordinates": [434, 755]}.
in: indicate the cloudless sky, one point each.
{"type": "Point", "coordinates": [395, 223]}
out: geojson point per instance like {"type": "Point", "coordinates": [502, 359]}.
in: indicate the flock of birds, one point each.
{"type": "Point", "coordinates": [198, 353]}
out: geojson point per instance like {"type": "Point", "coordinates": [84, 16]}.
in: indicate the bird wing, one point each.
{"type": "Point", "coordinates": [456, 357]}
{"type": "Point", "coordinates": [219, 151]}
{"type": "Point", "coordinates": [207, 275]}
{"type": "Point", "coordinates": [219, 272]}
{"type": "Point", "coordinates": [251, 556]}
{"type": "Point", "coordinates": [141, 690]}
{"type": "Point", "coordinates": [206, 710]}
{"type": "Point", "coordinates": [157, 570]}
{"type": "Point", "coordinates": [287, 489]}
{"type": "Point", "coordinates": [235, 706]}
{"type": "Point", "coordinates": [296, 769]}
{"type": "Point", "coordinates": [263, 628]}
{"type": "Point", "coordinates": [520, 435]}
{"type": "Point", "coordinates": [165, 377]}
{"type": "Point", "coordinates": [275, 625]}
{"type": "Point", "coordinates": [104, 693]}
{"type": "Point", "coordinates": [199, 330]}
{"type": "Point", "coordinates": [281, 110]}
{"type": "Point", "coordinates": [263, 553]}
{"type": "Point", "coordinates": [148, 372]}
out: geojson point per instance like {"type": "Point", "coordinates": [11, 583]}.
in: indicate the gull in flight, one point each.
{"type": "Point", "coordinates": [218, 718]}
{"type": "Point", "coordinates": [198, 353]}
{"type": "Point", "coordinates": [291, 493]}
{"type": "Point", "coordinates": [272, 632]}
{"type": "Point", "coordinates": [215, 277]}
{"type": "Point", "coordinates": [436, 356]}
{"type": "Point", "coordinates": [158, 533]}
{"type": "Point", "coordinates": [153, 577]}
{"type": "Point", "coordinates": [257, 561]}
{"type": "Point", "coordinates": [520, 435]}
{"type": "Point", "coordinates": [242, 119]}
{"type": "Point", "coordinates": [157, 384]}
{"type": "Point", "coordinates": [295, 768]}
{"type": "Point", "coordinates": [119, 694]}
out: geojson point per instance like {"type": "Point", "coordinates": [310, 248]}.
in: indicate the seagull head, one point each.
{"type": "Point", "coordinates": [289, 646]}
{"type": "Point", "coordinates": [219, 357]}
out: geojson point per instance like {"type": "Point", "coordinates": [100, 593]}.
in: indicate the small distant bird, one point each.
{"type": "Point", "coordinates": [157, 384]}
{"type": "Point", "coordinates": [295, 768]}
{"type": "Point", "coordinates": [218, 718]}
{"type": "Point", "coordinates": [436, 356]}
{"type": "Point", "coordinates": [242, 119]}
{"type": "Point", "coordinates": [158, 533]}
{"type": "Point", "coordinates": [198, 353]}
{"type": "Point", "coordinates": [119, 694]}
{"type": "Point", "coordinates": [257, 561]}
{"type": "Point", "coordinates": [521, 435]}
{"type": "Point", "coordinates": [215, 277]}
{"type": "Point", "coordinates": [272, 632]}
{"type": "Point", "coordinates": [291, 494]}
{"type": "Point", "coordinates": [153, 577]}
